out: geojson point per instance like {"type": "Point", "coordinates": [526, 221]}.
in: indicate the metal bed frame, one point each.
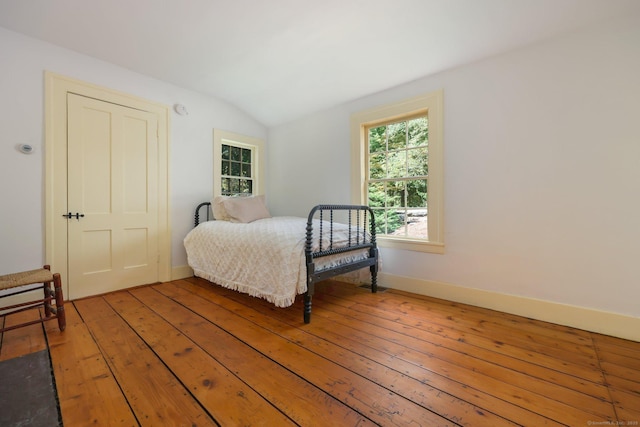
{"type": "Point", "coordinates": [358, 217]}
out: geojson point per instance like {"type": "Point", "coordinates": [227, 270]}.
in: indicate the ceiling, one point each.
{"type": "Point", "coordinates": [279, 60]}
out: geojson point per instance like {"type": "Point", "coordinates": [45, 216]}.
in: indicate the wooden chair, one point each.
{"type": "Point", "coordinates": [22, 279]}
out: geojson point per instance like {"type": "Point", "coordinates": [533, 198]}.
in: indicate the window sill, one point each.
{"type": "Point", "coordinates": [410, 244]}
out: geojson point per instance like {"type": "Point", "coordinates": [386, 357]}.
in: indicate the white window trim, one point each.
{"type": "Point", "coordinates": [434, 104]}
{"type": "Point", "coordinates": [222, 137]}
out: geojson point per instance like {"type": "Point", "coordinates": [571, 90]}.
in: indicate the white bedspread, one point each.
{"type": "Point", "coordinates": [264, 258]}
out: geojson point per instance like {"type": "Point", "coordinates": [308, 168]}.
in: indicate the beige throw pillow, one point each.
{"type": "Point", "coordinates": [246, 209]}
{"type": "Point", "coordinates": [217, 207]}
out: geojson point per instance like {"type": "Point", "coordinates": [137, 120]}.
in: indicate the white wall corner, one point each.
{"type": "Point", "coordinates": [602, 322]}
{"type": "Point", "coordinates": [181, 272]}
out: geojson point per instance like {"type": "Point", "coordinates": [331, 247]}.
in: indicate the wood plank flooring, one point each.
{"type": "Point", "coordinates": [191, 353]}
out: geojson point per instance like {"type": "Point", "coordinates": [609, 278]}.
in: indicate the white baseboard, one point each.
{"type": "Point", "coordinates": [181, 272]}
{"type": "Point", "coordinates": [602, 322]}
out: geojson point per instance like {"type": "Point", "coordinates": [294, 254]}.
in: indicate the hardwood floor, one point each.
{"type": "Point", "coordinates": [189, 353]}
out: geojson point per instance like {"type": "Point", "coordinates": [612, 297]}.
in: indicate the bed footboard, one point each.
{"type": "Point", "coordinates": [361, 232]}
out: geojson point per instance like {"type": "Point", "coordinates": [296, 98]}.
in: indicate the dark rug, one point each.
{"type": "Point", "coordinates": [27, 392]}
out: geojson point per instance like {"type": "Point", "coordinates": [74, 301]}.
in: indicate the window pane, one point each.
{"type": "Point", "coordinates": [397, 136]}
{"type": "Point", "coordinates": [418, 161]}
{"type": "Point", "coordinates": [225, 152]}
{"type": "Point", "coordinates": [376, 195]}
{"type": "Point", "coordinates": [226, 186]}
{"type": "Point", "coordinates": [246, 155]}
{"type": "Point", "coordinates": [245, 186]}
{"type": "Point", "coordinates": [377, 139]}
{"type": "Point", "coordinates": [397, 166]}
{"type": "Point", "coordinates": [395, 194]}
{"type": "Point", "coordinates": [236, 153]}
{"type": "Point", "coordinates": [235, 185]}
{"type": "Point", "coordinates": [226, 167]}
{"type": "Point", "coordinates": [377, 166]}
{"type": "Point", "coordinates": [417, 223]}
{"type": "Point", "coordinates": [418, 132]}
{"type": "Point", "coordinates": [235, 169]}
{"type": "Point", "coordinates": [246, 170]}
{"type": "Point", "coordinates": [395, 220]}
{"type": "Point", "coordinates": [417, 193]}
{"type": "Point", "coordinates": [381, 221]}
{"type": "Point", "coordinates": [400, 230]}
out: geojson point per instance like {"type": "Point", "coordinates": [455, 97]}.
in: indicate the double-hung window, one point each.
{"type": "Point", "coordinates": [238, 164]}
{"type": "Point", "coordinates": [237, 174]}
{"type": "Point", "coordinates": [399, 170]}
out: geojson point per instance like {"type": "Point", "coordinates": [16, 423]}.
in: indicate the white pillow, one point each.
{"type": "Point", "coordinates": [217, 207]}
{"type": "Point", "coordinates": [246, 209]}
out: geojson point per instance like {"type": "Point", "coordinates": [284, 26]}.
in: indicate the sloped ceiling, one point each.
{"type": "Point", "coordinates": [279, 60]}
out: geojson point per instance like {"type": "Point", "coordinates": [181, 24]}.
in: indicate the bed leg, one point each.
{"type": "Point", "coordinates": [307, 307]}
{"type": "Point", "coordinates": [374, 280]}
{"type": "Point", "coordinates": [374, 272]}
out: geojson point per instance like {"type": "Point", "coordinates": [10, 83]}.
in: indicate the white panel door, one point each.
{"type": "Point", "coordinates": [112, 187]}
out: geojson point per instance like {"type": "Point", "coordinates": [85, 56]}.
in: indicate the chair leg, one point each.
{"type": "Point", "coordinates": [48, 294]}
{"type": "Point", "coordinates": [46, 288]}
{"type": "Point", "coordinates": [57, 284]}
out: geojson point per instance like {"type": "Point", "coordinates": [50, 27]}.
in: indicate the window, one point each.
{"type": "Point", "coordinates": [237, 172]}
{"type": "Point", "coordinates": [238, 164]}
{"type": "Point", "coordinates": [398, 175]}
{"type": "Point", "coordinates": [398, 171]}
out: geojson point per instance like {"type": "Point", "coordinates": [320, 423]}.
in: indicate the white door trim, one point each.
{"type": "Point", "coordinates": [56, 89]}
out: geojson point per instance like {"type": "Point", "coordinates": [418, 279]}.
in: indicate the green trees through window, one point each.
{"type": "Point", "coordinates": [398, 174]}
{"type": "Point", "coordinates": [236, 166]}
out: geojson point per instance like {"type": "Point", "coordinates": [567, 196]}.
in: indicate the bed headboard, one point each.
{"type": "Point", "coordinates": [207, 208]}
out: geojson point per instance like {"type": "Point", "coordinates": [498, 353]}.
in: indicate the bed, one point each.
{"type": "Point", "coordinates": [278, 258]}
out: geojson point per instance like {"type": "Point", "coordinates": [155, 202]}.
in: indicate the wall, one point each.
{"type": "Point", "coordinates": [542, 176]}
{"type": "Point", "coordinates": [24, 61]}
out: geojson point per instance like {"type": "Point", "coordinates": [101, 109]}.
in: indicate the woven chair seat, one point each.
{"type": "Point", "coordinates": [14, 280]}
{"type": "Point", "coordinates": [52, 300]}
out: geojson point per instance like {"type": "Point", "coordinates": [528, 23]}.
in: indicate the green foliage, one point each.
{"type": "Point", "coordinates": [377, 139]}
{"type": "Point", "coordinates": [418, 132]}
{"type": "Point", "coordinates": [392, 220]}
{"type": "Point", "coordinates": [398, 152]}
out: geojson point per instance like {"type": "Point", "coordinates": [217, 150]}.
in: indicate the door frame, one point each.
{"type": "Point", "coordinates": [56, 89]}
